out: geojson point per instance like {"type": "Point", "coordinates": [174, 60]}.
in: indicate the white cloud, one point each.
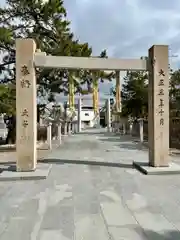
{"type": "Point", "coordinates": [127, 28]}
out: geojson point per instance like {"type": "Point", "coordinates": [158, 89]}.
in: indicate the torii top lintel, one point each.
{"type": "Point", "coordinates": [94, 63]}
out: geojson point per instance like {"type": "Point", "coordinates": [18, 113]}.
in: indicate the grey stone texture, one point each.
{"type": "Point", "coordinates": [145, 168]}
{"type": "Point", "coordinates": [26, 113]}
{"type": "Point", "coordinates": [158, 106]}
{"type": "Point", "coordinates": [92, 192]}
{"type": "Point", "coordinates": [9, 173]}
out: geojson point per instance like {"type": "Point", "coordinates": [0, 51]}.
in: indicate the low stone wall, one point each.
{"type": "Point", "coordinates": [136, 132]}
{"type": "Point", "coordinates": [42, 132]}
{"type": "Point", "coordinates": [174, 132]}
{"type": "Point", "coordinates": [174, 135]}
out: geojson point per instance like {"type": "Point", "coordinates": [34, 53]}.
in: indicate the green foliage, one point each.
{"type": "Point", "coordinates": [7, 99]}
{"type": "Point", "coordinates": [46, 23]}
{"type": "Point", "coordinates": [92, 77]}
{"type": "Point", "coordinates": [135, 94]}
{"type": "Point", "coordinates": [174, 93]}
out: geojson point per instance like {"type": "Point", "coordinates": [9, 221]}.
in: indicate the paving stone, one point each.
{"type": "Point", "coordinates": [90, 227]}
{"type": "Point", "coordinates": [117, 215]}
{"type": "Point", "coordinates": [80, 200]}
{"type": "Point", "coordinates": [126, 233]}
{"type": "Point", "coordinates": [60, 218]}
{"type": "Point", "coordinates": [52, 234]}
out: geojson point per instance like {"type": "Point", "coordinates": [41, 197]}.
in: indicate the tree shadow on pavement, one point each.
{"type": "Point", "coordinates": [8, 149]}
{"type": "Point", "coordinates": [86, 162]}
{"type": "Point", "coordinates": [115, 138]}
{"type": "Point", "coordinates": [90, 133]}
{"type": "Point", "coordinates": [165, 235]}
{"type": "Point", "coordinates": [98, 133]}
{"type": "Point", "coordinates": [126, 143]}
{"type": "Point", "coordinates": [132, 146]}
{"type": "Point", "coordinates": [10, 167]}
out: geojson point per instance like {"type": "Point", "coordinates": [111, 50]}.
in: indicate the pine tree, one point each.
{"type": "Point", "coordinates": [46, 23]}
{"type": "Point", "coordinates": [135, 94]}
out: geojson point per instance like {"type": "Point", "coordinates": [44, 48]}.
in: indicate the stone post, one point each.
{"type": "Point", "coordinates": [158, 113]}
{"type": "Point", "coordinates": [117, 127]}
{"type": "Point", "coordinates": [49, 135]}
{"type": "Point", "coordinates": [115, 124]}
{"type": "Point", "coordinates": [95, 95]}
{"type": "Point", "coordinates": [118, 92]}
{"type": "Point", "coordinates": [65, 128]}
{"type": "Point", "coordinates": [26, 106]}
{"type": "Point", "coordinates": [69, 128]}
{"type": "Point", "coordinates": [130, 128]}
{"type": "Point", "coordinates": [108, 114]}
{"type": "Point", "coordinates": [124, 128]}
{"type": "Point", "coordinates": [79, 114]}
{"type": "Point", "coordinates": [73, 128]}
{"type": "Point", "coordinates": [113, 127]}
{"type": "Point", "coordinates": [141, 130]}
{"type": "Point", "coordinates": [40, 121]}
{"type": "Point", "coordinates": [59, 134]}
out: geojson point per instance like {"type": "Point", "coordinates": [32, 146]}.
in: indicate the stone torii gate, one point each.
{"type": "Point", "coordinates": [27, 58]}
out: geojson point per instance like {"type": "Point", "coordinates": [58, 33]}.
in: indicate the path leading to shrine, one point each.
{"type": "Point", "coordinates": [92, 193]}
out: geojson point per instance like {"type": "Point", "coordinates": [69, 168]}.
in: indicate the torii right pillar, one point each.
{"type": "Point", "coordinates": [158, 113]}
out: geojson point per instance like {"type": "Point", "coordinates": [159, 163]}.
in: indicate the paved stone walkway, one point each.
{"type": "Point", "coordinates": [92, 193]}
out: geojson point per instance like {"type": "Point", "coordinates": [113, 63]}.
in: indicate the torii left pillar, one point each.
{"type": "Point", "coordinates": [26, 106]}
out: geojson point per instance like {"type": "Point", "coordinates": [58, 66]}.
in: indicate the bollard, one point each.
{"type": "Point", "coordinates": [141, 132]}
{"type": "Point", "coordinates": [73, 128]}
{"type": "Point", "coordinates": [79, 115]}
{"type": "Point", "coordinates": [108, 114]}
{"type": "Point", "coordinates": [124, 128]}
{"type": "Point", "coordinates": [130, 128]}
{"type": "Point", "coordinates": [113, 127]}
{"type": "Point", "coordinates": [49, 135]}
{"type": "Point", "coordinates": [59, 134]}
{"type": "Point", "coordinates": [118, 130]}
{"type": "Point", "coordinates": [65, 129]}
{"type": "Point", "coordinates": [69, 128]}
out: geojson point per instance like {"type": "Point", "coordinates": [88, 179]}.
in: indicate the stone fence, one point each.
{"type": "Point", "coordinates": [174, 131]}
{"type": "Point", "coordinates": [42, 130]}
